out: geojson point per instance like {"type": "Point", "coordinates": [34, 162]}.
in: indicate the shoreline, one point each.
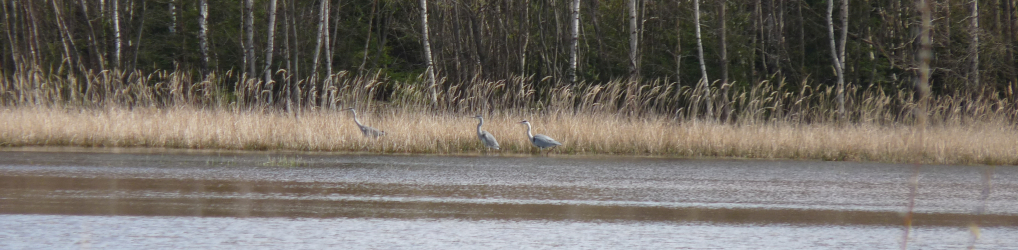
{"type": "Point", "coordinates": [583, 134]}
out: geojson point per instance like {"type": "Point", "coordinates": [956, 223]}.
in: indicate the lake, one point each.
{"type": "Point", "coordinates": [59, 198]}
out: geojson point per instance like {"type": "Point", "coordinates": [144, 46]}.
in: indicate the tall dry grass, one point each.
{"type": "Point", "coordinates": [659, 118]}
{"type": "Point", "coordinates": [415, 132]}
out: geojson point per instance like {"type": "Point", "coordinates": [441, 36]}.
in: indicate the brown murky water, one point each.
{"type": "Point", "coordinates": [77, 198]}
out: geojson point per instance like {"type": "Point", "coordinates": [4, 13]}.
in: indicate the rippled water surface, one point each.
{"type": "Point", "coordinates": [140, 199]}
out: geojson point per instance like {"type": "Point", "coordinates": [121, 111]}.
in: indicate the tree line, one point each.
{"type": "Point", "coordinates": [715, 44]}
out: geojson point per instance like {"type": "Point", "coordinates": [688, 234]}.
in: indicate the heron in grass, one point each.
{"type": "Point", "coordinates": [368, 131]}
{"type": "Point", "coordinates": [539, 140]}
{"type": "Point", "coordinates": [488, 140]}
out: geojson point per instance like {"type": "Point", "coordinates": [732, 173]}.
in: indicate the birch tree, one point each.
{"type": "Point", "coordinates": [525, 28]}
{"type": "Point", "coordinates": [430, 71]}
{"type": "Point", "coordinates": [704, 81]}
{"type": "Point", "coordinates": [726, 109]}
{"type": "Point", "coordinates": [117, 40]}
{"type": "Point", "coordinates": [249, 51]}
{"type": "Point", "coordinates": [203, 37]}
{"type": "Point", "coordinates": [974, 46]}
{"type": "Point", "coordinates": [269, 47]}
{"type": "Point", "coordinates": [925, 55]}
{"type": "Point", "coordinates": [65, 35]}
{"type": "Point", "coordinates": [574, 42]}
{"type": "Point", "coordinates": [634, 69]}
{"type": "Point", "coordinates": [173, 16]}
{"type": "Point", "coordinates": [323, 34]}
{"type": "Point", "coordinates": [838, 55]}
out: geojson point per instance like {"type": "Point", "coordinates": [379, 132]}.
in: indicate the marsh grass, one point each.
{"type": "Point", "coordinates": [424, 133]}
{"type": "Point", "coordinates": [770, 120]}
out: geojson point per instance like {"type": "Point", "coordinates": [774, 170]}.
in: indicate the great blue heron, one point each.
{"type": "Point", "coordinates": [539, 140]}
{"type": "Point", "coordinates": [488, 140]}
{"type": "Point", "coordinates": [368, 131]}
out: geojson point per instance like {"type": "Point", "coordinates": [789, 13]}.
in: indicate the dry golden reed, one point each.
{"type": "Point", "coordinates": [769, 120]}
{"type": "Point", "coordinates": [423, 133]}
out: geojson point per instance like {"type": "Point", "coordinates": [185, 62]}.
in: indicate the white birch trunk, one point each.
{"type": "Point", "coordinates": [840, 98]}
{"type": "Point", "coordinates": [322, 30]}
{"type": "Point", "coordinates": [634, 70]}
{"type": "Point", "coordinates": [841, 59]}
{"type": "Point", "coordinates": [925, 54]}
{"type": "Point", "coordinates": [974, 46]}
{"type": "Point", "coordinates": [65, 37]}
{"type": "Point", "coordinates": [574, 42]}
{"type": "Point", "coordinates": [427, 53]}
{"type": "Point", "coordinates": [328, 55]}
{"type": "Point", "coordinates": [173, 16]}
{"type": "Point", "coordinates": [269, 48]}
{"type": "Point", "coordinates": [117, 40]}
{"type": "Point", "coordinates": [704, 80]}
{"type": "Point", "coordinates": [249, 50]}
{"type": "Point", "coordinates": [203, 30]}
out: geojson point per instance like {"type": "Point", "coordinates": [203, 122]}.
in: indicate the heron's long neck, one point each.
{"type": "Point", "coordinates": [355, 118]}
{"type": "Point", "coordinates": [479, 125]}
{"type": "Point", "coordinates": [529, 135]}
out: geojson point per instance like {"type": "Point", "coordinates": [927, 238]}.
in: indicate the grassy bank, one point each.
{"type": "Point", "coordinates": [431, 133]}
{"type": "Point", "coordinates": [769, 119]}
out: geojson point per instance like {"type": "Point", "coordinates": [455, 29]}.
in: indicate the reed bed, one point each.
{"type": "Point", "coordinates": [584, 134]}
{"type": "Point", "coordinates": [769, 119]}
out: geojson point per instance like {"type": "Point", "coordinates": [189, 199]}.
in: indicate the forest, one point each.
{"type": "Point", "coordinates": [804, 60]}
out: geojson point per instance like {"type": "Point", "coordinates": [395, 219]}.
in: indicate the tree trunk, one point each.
{"type": "Point", "coordinates": [427, 53]}
{"type": "Point", "coordinates": [838, 60]}
{"type": "Point", "coordinates": [328, 55]}
{"type": "Point", "coordinates": [328, 59]}
{"type": "Point", "coordinates": [173, 16]}
{"type": "Point", "coordinates": [841, 56]}
{"type": "Point", "coordinates": [270, 44]}
{"type": "Point", "coordinates": [525, 28]}
{"type": "Point", "coordinates": [704, 80]}
{"type": "Point", "coordinates": [203, 34]}
{"type": "Point", "coordinates": [678, 48]}
{"type": "Point", "coordinates": [925, 55]}
{"type": "Point", "coordinates": [117, 40]}
{"type": "Point", "coordinates": [141, 29]}
{"type": "Point", "coordinates": [65, 36]}
{"type": "Point", "coordinates": [974, 46]}
{"type": "Point", "coordinates": [323, 30]}
{"type": "Point", "coordinates": [249, 50]}
{"type": "Point", "coordinates": [574, 43]}
{"type": "Point", "coordinates": [367, 42]}
{"type": "Point", "coordinates": [726, 109]}
{"type": "Point", "coordinates": [634, 67]}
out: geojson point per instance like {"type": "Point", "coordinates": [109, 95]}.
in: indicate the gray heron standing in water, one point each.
{"type": "Point", "coordinates": [488, 140]}
{"type": "Point", "coordinates": [539, 140]}
{"type": "Point", "coordinates": [368, 131]}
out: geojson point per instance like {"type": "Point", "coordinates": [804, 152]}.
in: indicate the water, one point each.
{"type": "Point", "coordinates": [115, 198]}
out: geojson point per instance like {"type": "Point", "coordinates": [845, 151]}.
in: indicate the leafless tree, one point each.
{"type": "Point", "coordinates": [426, 42]}
{"type": "Point", "coordinates": [117, 40]}
{"type": "Point", "coordinates": [634, 67]}
{"type": "Point", "coordinates": [974, 45]}
{"type": "Point", "coordinates": [838, 54]}
{"type": "Point", "coordinates": [270, 44]}
{"type": "Point", "coordinates": [203, 34]}
{"type": "Point", "coordinates": [574, 42]}
{"type": "Point", "coordinates": [173, 15]}
{"type": "Point", "coordinates": [65, 35]}
{"type": "Point", "coordinates": [925, 55]}
{"type": "Point", "coordinates": [726, 108]}
{"type": "Point", "coordinates": [704, 80]}
{"type": "Point", "coordinates": [249, 50]}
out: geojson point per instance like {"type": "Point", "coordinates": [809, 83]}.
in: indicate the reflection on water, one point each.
{"type": "Point", "coordinates": [486, 201]}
